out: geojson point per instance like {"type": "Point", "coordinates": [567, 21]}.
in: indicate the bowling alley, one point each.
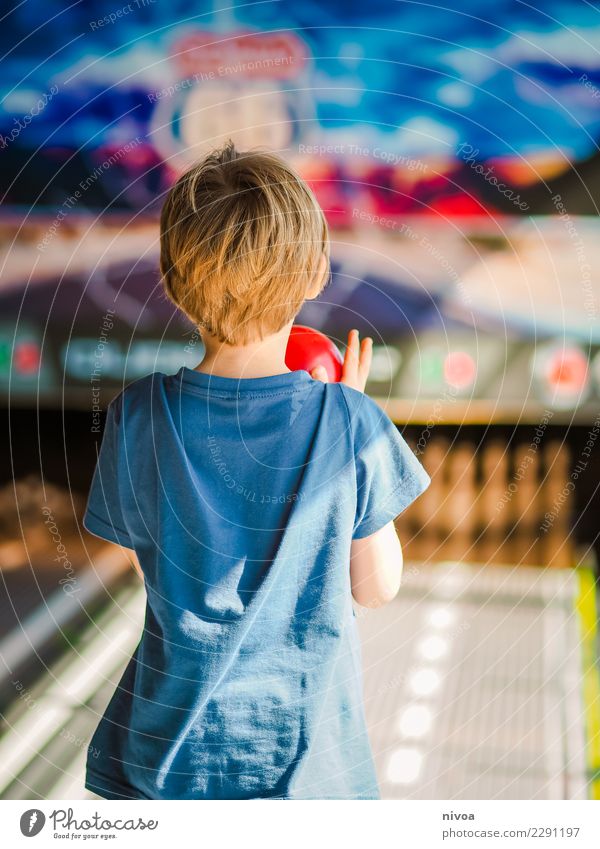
{"type": "Point", "coordinates": [300, 379]}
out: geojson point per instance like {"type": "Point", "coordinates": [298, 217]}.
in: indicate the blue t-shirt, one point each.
{"type": "Point", "coordinates": [241, 499]}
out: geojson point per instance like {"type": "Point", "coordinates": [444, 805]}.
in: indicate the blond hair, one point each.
{"type": "Point", "coordinates": [241, 240]}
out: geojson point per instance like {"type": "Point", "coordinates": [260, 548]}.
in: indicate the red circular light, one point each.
{"type": "Point", "coordinates": [26, 358]}
{"type": "Point", "coordinates": [459, 369]}
{"type": "Point", "coordinates": [567, 369]}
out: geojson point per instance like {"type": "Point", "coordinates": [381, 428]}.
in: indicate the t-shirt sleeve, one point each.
{"type": "Point", "coordinates": [103, 516]}
{"type": "Point", "coordinates": [388, 475]}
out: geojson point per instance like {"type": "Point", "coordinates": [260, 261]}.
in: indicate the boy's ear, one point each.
{"type": "Point", "coordinates": [314, 292]}
{"type": "Point", "coordinates": [320, 280]}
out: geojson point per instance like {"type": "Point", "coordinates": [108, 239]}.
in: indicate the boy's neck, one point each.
{"type": "Point", "coordinates": [263, 358]}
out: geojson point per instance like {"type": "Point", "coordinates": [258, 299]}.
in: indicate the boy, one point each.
{"type": "Point", "coordinates": [256, 502]}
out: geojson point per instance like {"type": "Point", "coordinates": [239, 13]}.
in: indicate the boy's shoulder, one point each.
{"type": "Point", "coordinates": [136, 394]}
{"type": "Point", "coordinates": [363, 410]}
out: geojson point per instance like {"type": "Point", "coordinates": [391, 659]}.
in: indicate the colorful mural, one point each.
{"type": "Point", "coordinates": [391, 107]}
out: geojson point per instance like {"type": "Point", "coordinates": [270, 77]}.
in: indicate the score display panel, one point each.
{"type": "Point", "coordinates": [489, 321]}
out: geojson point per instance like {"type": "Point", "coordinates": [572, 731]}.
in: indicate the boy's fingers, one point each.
{"type": "Point", "coordinates": [366, 356]}
{"type": "Point", "coordinates": [320, 373]}
{"type": "Point", "coordinates": [350, 367]}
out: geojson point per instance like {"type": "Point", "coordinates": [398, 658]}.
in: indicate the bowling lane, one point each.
{"type": "Point", "coordinates": [474, 681]}
{"type": "Point", "coordinates": [46, 732]}
{"type": "Point", "coordinates": [473, 685]}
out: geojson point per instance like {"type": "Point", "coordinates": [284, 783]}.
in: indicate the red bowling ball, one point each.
{"type": "Point", "coordinates": [308, 348]}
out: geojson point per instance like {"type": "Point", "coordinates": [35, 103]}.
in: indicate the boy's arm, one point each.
{"type": "Point", "coordinates": [376, 567]}
{"type": "Point", "coordinates": [376, 559]}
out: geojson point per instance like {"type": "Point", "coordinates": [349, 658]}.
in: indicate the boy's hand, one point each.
{"type": "Point", "coordinates": [357, 362]}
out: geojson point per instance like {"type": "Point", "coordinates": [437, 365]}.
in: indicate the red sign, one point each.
{"type": "Point", "coordinates": [278, 55]}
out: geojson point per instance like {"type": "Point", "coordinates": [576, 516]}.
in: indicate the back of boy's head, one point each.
{"type": "Point", "coordinates": [241, 242]}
